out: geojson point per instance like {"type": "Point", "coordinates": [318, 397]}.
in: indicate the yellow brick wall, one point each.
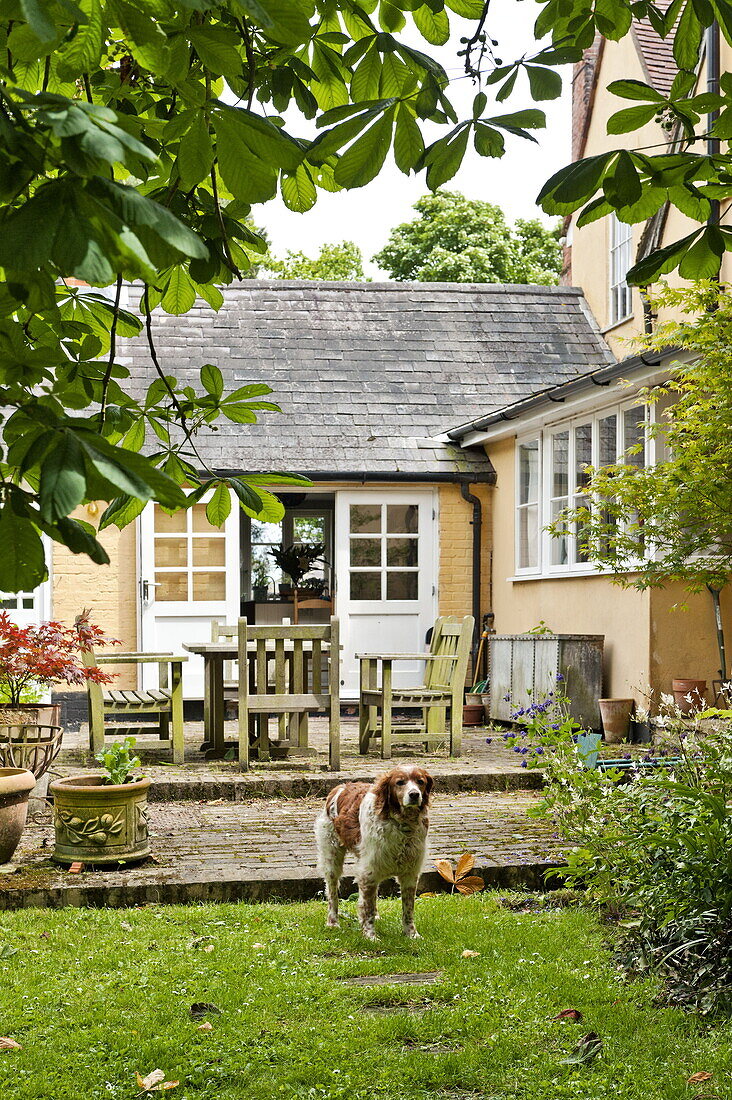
{"type": "Point", "coordinates": [109, 591]}
{"type": "Point", "coordinates": [456, 551]}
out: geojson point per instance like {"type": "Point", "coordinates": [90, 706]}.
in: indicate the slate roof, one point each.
{"type": "Point", "coordinates": [369, 375]}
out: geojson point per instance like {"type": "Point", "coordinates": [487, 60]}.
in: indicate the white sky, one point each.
{"type": "Point", "coordinates": [367, 214]}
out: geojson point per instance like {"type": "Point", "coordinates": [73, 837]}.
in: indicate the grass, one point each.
{"type": "Point", "coordinates": [94, 995]}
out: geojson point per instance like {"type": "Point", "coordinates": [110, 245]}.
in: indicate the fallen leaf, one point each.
{"type": "Point", "coordinates": [470, 885]}
{"type": "Point", "coordinates": [7, 952]}
{"type": "Point", "coordinates": [470, 954]}
{"type": "Point", "coordinates": [465, 863]}
{"type": "Point", "coordinates": [205, 1026]}
{"type": "Point", "coordinates": [208, 948]}
{"type": "Point", "coordinates": [9, 1044]}
{"type": "Point", "coordinates": [445, 869]}
{"type": "Point", "coordinates": [428, 894]}
{"type": "Point", "coordinates": [697, 1078]}
{"type": "Point", "coordinates": [155, 1082]}
{"type": "Point", "coordinates": [204, 1008]}
{"type": "Point", "coordinates": [586, 1051]}
{"type": "Point", "coordinates": [568, 1014]}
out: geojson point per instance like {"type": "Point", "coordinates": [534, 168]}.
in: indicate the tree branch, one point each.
{"type": "Point", "coordinates": [112, 348]}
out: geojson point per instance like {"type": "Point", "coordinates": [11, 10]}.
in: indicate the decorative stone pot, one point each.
{"type": "Point", "coordinates": [98, 822]}
{"type": "Point", "coordinates": [696, 689]}
{"type": "Point", "coordinates": [16, 785]}
{"type": "Point", "coordinates": [615, 714]}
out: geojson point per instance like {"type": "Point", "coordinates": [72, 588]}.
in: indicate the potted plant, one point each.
{"type": "Point", "coordinates": [33, 658]}
{"type": "Point", "coordinates": [690, 695]}
{"type": "Point", "coordinates": [16, 785]}
{"type": "Point", "coordinates": [296, 561]}
{"type": "Point", "coordinates": [103, 818]}
{"type": "Point", "coordinates": [260, 580]}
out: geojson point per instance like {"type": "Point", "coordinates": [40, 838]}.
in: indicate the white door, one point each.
{"type": "Point", "coordinates": [189, 576]}
{"type": "Point", "coordinates": [386, 584]}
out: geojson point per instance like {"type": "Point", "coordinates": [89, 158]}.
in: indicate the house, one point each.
{"type": "Point", "coordinates": [369, 378]}
{"type": "Point", "coordinates": [539, 444]}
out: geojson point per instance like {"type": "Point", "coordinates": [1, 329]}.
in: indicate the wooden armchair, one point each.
{"type": "Point", "coordinates": [157, 709]}
{"type": "Point", "coordinates": [281, 674]}
{"type": "Point", "coordinates": [446, 666]}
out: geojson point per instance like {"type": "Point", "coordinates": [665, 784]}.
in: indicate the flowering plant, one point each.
{"type": "Point", "coordinates": [545, 724]}
{"type": "Point", "coordinates": [33, 657]}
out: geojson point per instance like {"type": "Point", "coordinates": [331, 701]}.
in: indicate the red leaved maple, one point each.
{"type": "Point", "coordinates": [47, 654]}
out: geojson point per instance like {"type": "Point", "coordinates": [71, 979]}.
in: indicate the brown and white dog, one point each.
{"type": "Point", "coordinates": [385, 825]}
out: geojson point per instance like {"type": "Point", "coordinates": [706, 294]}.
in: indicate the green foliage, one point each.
{"type": "Point", "coordinates": [673, 520]}
{"type": "Point", "coordinates": [121, 160]}
{"type": "Point", "coordinates": [118, 760]}
{"type": "Point", "coordinates": [341, 262]}
{"type": "Point", "coordinates": [296, 561]}
{"type": "Point", "coordinates": [456, 239]}
{"type": "Point", "coordinates": [485, 1028]}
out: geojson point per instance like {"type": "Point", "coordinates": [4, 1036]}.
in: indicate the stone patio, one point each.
{"type": "Point", "coordinates": [222, 835]}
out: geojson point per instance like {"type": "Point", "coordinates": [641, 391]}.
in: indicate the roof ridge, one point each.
{"type": "Point", "coordinates": [395, 285]}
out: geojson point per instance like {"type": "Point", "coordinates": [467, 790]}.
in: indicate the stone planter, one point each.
{"type": "Point", "coordinates": [16, 785]}
{"type": "Point", "coordinates": [615, 714]}
{"type": "Point", "coordinates": [695, 689]}
{"type": "Point", "coordinates": [98, 822]}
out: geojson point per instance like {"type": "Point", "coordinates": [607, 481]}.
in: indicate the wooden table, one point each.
{"type": "Point", "coordinates": [215, 655]}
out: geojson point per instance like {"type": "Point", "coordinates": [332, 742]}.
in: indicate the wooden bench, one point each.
{"type": "Point", "coordinates": [149, 710]}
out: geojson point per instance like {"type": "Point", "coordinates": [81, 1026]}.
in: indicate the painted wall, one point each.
{"type": "Point", "coordinates": [683, 636]}
{"type": "Point", "coordinates": [110, 591]}
{"type": "Point", "coordinates": [591, 244]}
{"type": "Point", "coordinates": [455, 583]}
{"type": "Point", "coordinates": [568, 605]}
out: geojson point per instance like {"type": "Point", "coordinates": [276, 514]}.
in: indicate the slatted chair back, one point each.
{"type": "Point", "coordinates": [285, 676]}
{"type": "Point", "coordinates": [223, 632]}
{"type": "Point", "coordinates": [450, 646]}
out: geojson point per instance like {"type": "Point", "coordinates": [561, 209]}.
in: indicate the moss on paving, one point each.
{"type": "Point", "coordinates": [94, 995]}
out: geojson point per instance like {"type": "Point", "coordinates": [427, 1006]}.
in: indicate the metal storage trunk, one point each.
{"type": "Point", "coordinates": [519, 663]}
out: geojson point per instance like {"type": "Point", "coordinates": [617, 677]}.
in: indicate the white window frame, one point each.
{"type": "Point", "coordinates": [620, 295]}
{"type": "Point", "coordinates": [528, 570]}
{"type": "Point", "coordinates": [572, 567]}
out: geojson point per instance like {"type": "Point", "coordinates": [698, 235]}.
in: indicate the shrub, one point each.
{"type": "Point", "coordinates": [660, 846]}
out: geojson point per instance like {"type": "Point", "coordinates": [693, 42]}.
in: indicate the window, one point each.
{"type": "Point", "coordinates": [552, 475]}
{"type": "Point", "coordinates": [383, 545]}
{"type": "Point", "coordinates": [621, 259]}
{"type": "Point", "coordinates": [300, 526]}
{"type": "Point", "coordinates": [527, 506]}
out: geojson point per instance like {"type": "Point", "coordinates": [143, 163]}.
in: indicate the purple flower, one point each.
{"type": "Point", "coordinates": [560, 678]}
{"type": "Point", "coordinates": [489, 740]}
{"type": "Point", "coordinates": [524, 764]}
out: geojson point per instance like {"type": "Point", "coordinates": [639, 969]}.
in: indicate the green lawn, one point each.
{"type": "Point", "coordinates": [93, 996]}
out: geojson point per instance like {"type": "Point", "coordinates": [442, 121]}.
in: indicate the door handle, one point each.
{"type": "Point", "coordinates": [145, 587]}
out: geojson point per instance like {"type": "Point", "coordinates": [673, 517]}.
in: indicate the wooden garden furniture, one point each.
{"type": "Point", "coordinates": [284, 677]}
{"type": "Point", "coordinates": [443, 689]}
{"type": "Point", "coordinates": [157, 709]}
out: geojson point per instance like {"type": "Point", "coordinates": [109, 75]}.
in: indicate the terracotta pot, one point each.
{"type": "Point", "coordinates": [98, 822]}
{"type": "Point", "coordinates": [694, 688]}
{"type": "Point", "coordinates": [473, 714]}
{"type": "Point", "coordinates": [16, 785]}
{"type": "Point", "coordinates": [615, 715]}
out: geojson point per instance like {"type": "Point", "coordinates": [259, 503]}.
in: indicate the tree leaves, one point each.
{"type": "Point", "coordinates": [461, 879]}
{"type": "Point", "coordinates": [21, 552]}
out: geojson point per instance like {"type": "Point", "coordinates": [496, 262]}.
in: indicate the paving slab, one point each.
{"type": "Point", "coordinates": [263, 849]}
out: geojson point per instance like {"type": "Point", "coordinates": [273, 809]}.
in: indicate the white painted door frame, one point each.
{"type": "Point", "coordinates": [379, 622]}
{"type": "Point", "coordinates": [188, 560]}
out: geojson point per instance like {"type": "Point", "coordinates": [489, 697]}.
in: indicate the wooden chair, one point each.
{"type": "Point", "coordinates": [284, 677]}
{"type": "Point", "coordinates": [152, 709]}
{"type": "Point", "coordinates": [443, 689]}
{"type": "Point", "coordinates": [221, 632]}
